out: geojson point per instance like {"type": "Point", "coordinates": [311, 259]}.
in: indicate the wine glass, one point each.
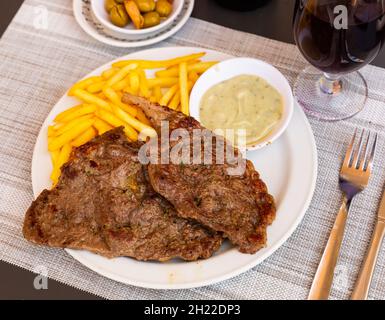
{"type": "Point", "coordinates": [337, 37]}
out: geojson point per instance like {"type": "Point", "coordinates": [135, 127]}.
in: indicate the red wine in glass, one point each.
{"type": "Point", "coordinates": [337, 37]}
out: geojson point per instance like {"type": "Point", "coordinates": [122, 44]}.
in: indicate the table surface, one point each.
{"type": "Point", "coordinates": [268, 21]}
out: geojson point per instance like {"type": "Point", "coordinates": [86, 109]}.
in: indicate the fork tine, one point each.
{"type": "Point", "coordinates": [349, 151]}
{"type": "Point", "coordinates": [373, 151]}
{"type": "Point", "coordinates": [357, 152]}
{"type": "Point", "coordinates": [365, 152]}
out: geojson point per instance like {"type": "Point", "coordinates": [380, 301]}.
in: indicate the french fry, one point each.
{"type": "Point", "coordinates": [109, 117]}
{"type": "Point", "coordinates": [168, 95]}
{"type": "Point", "coordinates": [128, 89]}
{"type": "Point", "coordinates": [86, 136]}
{"type": "Point", "coordinates": [54, 156]}
{"type": "Point", "coordinates": [162, 82]}
{"type": "Point", "coordinates": [145, 64]}
{"type": "Point", "coordinates": [190, 85]}
{"type": "Point", "coordinates": [120, 94]}
{"type": "Point", "coordinates": [188, 63]}
{"type": "Point", "coordinates": [102, 126]}
{"type": "Point", "coordinates": [121, 74]}
{"type": "Point", "coordinates": [152, 99]}
{"type": "Point", "coordinates": [174, 103]}
{"type": "Point", "coordinates": [109, 73]}
{"type": "Point", "coordinates": [115, 99]}
{"type": "Point", "coordinates": [84, 84]}
{"type": "Point", "coordinates": [71, 124]}
{"type": "Point", "coordinates": [167, 73]}
{"type": "Point", "coordinates": [184, 90]}
{"type": "Point", "coordinates": [101, 95]}
{"type": "Point", "coordinates": [193, 77]}
{"type": "Point", "coordinates": [202, 66]}
{"type": "Point", "coordinates": [121, 84]}
{"type": "Point", "coordinates": [130, 109]}
{"type": "Point", "coordinates": [199, 67]}
{"type": "Point", "coordinates": [62, 158]}
{"type": "Point", "coordinates": [85, 110]}
{"type": "Point", "coordinates": [143, 86]}
{"type": "Point", "coordinates": [56, 126]}
{"type": "Point", "coordinates": [69, 135]}
{"type": "Point", "coordinates": [96, 87]}
{"type": "Point", "coordinates": [134, 82]}
{"type": "Point", "coordinates": [91, 98]}
{"type": "Point", "coordinates": [51, 131]}
{"type": "Point", "coordinates": [139, 126]}
{"type": "Point", "coordinates": [65, 113]}
{"type": "Point", "coordinates": [157, 93]}
{"type": "Point", "coordinates": [113, 120]}
{"type": "Point", "coordinates": [142, 117]}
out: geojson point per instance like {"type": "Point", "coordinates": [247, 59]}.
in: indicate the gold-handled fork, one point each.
{"type": "Point", "coordinates": [354, 177]}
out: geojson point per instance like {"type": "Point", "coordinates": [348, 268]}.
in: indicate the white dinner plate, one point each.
{"type": "Point", "coordinates": [288, 166]}
{"type": "Point", "coordinates": [84, 17]}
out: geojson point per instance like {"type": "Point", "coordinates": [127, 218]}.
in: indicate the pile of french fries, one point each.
{"type": "Point", "coordinates": [101, 108]}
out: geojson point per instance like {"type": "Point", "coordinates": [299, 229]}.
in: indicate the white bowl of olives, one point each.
{"type": "Point", "coordinates": [135, 19]}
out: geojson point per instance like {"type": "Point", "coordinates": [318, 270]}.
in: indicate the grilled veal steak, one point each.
{"type": "Point", "coordinates": [104, 203]}
{"type": "Point", "coordinates": [237, 205]}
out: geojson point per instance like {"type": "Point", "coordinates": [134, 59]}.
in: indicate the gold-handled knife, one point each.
{"type": "Point", "coordinates": [361, 289]}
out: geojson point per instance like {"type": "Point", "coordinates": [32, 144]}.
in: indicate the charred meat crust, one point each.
{"type": "Point", "coordinates": [239, 206]}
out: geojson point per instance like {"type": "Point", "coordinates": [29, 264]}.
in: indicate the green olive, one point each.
{"type": "Point", "coordinates": [145, 5]}
{"type": "Point", "coordinates": [119, 16]}
{"type": "Point", "coordinates": [109, 4]}
{"type": "Point", "coordinates": [120, 1]}
{"type": "Point", "coordinates": [164, 8]}
{"type": "Point", "coordinates": [151, 19]}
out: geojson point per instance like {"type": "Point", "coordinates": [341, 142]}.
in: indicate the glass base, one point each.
{"type": "Point", "coordinates": [340, 103]}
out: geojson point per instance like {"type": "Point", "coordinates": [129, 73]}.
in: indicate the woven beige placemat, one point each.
{"type": "Point", "coordinates": [38, 65]}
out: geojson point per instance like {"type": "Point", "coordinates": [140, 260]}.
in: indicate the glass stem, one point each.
{"type": "Point", "coordinates": [330, 84]}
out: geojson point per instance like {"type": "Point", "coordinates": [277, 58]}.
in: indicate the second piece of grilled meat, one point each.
{"type": "Point", "coordinates": [237, 205]}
